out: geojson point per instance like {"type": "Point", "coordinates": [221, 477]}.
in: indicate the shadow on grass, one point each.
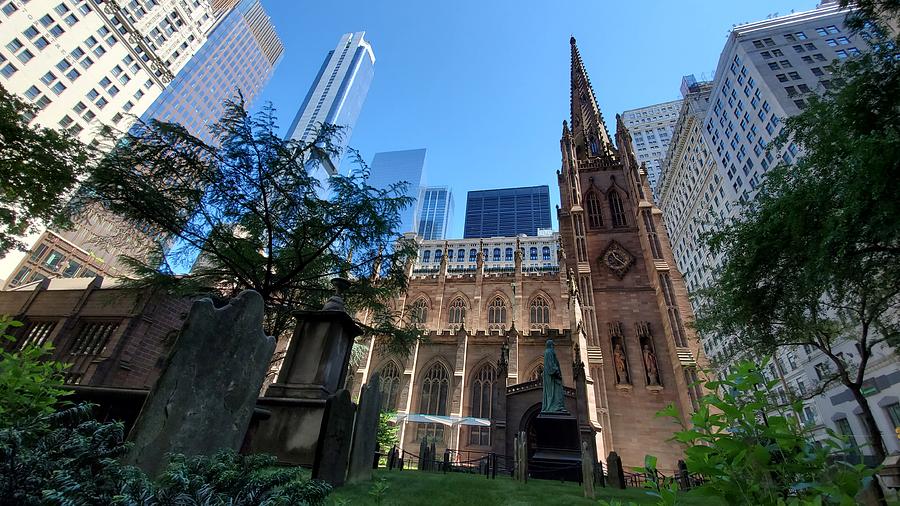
{"type": "Point", "coordinates": [400, 488]}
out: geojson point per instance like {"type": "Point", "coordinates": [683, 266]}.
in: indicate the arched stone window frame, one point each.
{"type": "Point", "coordinates": [539, 311]}
{"type": "Point", "coordinates": [473, 255]}
{"type": "Point", "coordinates": [497, 313]}
{"type": "Point", "coordinates": [594, 210]}
{"type": "Point", "coordinates": [418, 311]}
{"type": "Point", "coordinates": [456, 312]}
{"type": "Point", "coordinates": [426, 256]}
{"type": "Point", "coordinates": [616, 209]}
{"type": "Point", "coordinates": [434, 399]}
{"type": "Point", "coordinates": [533, 253]}
{"type": "Point", "coordinates": [390, 374]}
{"type": "Point", "coordinates": [545, 253]}
{"type": "Point", "coordinates": [496, 254]}
{"type": "Point", "coordinates": [481, 400]}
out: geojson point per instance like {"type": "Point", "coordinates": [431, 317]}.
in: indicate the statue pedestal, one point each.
{"type": "Point", "coordinates": [556, 454]}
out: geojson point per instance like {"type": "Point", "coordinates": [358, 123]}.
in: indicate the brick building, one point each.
{"type": "Point", "coordinates": [605, 289]}
{"type": "Point", "coordinates": [112, 336]}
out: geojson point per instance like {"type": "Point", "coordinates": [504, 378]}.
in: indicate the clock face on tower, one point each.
{"type": "Point", "coordinates": [617, 259]}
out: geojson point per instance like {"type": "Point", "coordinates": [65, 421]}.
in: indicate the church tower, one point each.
{"type": "Point", "coordinates": [641, 354]}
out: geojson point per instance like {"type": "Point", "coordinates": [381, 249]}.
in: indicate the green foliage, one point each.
{"type": "Point", "coordinates": [61, 458]}
{"type": "Point", "coordinates": [226, 478]}
{"type": "Point", "coordinates": [388, 433]}
{"type": "Point", "coordinates": [815, 259]}
{"type": "Point", "coordinates": [67, 458]}
{"type": "Point", "coordinates": [378, 490]}
{"type": "Point", "coordinates": [38, 167]}
{"type": "Point", "coordinates": [750, 453]}
{"type": "Point", "coordinates": [30, 385]}
{"type": "Point", "coordinates": [258, 219]}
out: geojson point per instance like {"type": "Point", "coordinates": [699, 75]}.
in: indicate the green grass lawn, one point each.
{"type": "Point", "coordinates": [420, 488]}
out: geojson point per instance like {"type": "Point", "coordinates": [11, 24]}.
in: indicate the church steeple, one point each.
{"type": "Point", "coordinates": [588, 129]}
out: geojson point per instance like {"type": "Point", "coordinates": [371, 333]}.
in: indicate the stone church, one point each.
{"type": "Point", "coordinates": [605, 289]}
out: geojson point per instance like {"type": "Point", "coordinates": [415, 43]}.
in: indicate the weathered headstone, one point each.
{"type": "Point", "coordinates": [423, 455]}
{"type": "Point", "coordinates": [333, 447]}
{"type": "Point", "coordinates": [587, 470]}
{"type": "Point", "coordinates": [204, 398]}
{"type": "Point", "coordinates": [365, 430]}
{"type": "Point", "coordinates": [614, 468]}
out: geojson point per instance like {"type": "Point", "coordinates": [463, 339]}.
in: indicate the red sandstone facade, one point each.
{"type": "Point", "coordinates": [111, 336]}
{"type": "Point", "coordinates": [617, 309]}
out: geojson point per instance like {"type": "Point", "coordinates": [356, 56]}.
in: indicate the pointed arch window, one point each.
{"type": "Point", "coordinates": [482, 398]}
{"type": "Point", "coordinates": [390, 386]}
{"type": "Point", "coordinates": [616, 209]}
{"type": "Point", "coordinates": [457, 312]}
{"type": "Point", "coordinates": [540, 313]}
{"type": "Point", "coordinates": [595, 216]}
{"type": "Point", "coordinates": [433, 401]}
{"type": "Point", "coordinates": [419, 311]}
{"type": "Point", "coordinates": [497, 314]}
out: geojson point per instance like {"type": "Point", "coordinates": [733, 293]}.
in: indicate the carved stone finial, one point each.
{"type": "Point", "coordinates": [336, 301]}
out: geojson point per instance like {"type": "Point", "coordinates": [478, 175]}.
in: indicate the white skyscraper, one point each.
{"type": "Point", "coordinates": [719, 155]}
{"type": "Point", "coordinates": [85, 63]}
{"type": "Point", "coordinates": [651, 129]}
{"type": "Point", "coordinates": [336, 97]}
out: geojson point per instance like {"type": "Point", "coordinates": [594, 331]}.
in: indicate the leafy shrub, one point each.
{"type": "Point", "coordinates": [69, 458]}
{"type": "Point", "coordinates": [30, 385]}
{"type": "Point", "coordinates": [750, 453]}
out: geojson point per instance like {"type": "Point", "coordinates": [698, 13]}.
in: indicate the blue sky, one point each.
{"type": "Point", "coordinates": [484, 85]}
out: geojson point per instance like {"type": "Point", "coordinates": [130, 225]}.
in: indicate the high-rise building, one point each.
{"type": "Point", "coordinates": [240, 54]}
{"type": "Point", "coordinates": [507, 212]}
{"type": "Point", "coordinates": [765, 73]}
{"type": "Point", "coordinates": [605, 289]}
{"type": "Point", "coordinates": [651, 129]}
{"type": "Point", "coordinates": [336, 97]}
{"type": "Point", "coordinates": [434, 209]}
{"type": "Point", "coordinates": [391, 167]}
{"type": "Point", "coordinates": [193, 58]}
{"type": "Point", "coordinates": [720, 153]}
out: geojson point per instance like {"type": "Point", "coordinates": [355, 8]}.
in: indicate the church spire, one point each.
{"type": "Point", "coordinates": [588, 127]}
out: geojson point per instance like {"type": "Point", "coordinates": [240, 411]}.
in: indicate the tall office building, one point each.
{"type": "Point", "coordinates": [717, 159]}
{"type": "Point", "coordinates": [209, 52]}
{"type": "Point", "coordinates": [434, 209]}
{"type": "Point", "coordinates": [507, 212]}
{"type": "Point", "coordinates": [391, 167]}
{"type": "Point", "coordinates": [651, 128]}
{"type": "Point", "coordinates": [336, 97]}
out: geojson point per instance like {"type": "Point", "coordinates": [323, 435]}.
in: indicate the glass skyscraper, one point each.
{"type": "Point", "coordinates": [336, 97]}
{"type": "Point", "coordinates": [434, 209]}
{"type": "Point", "coordinates": [240, 54]}
{"type": "Point", "coordinates": [507, 212]}
{"type": "Point", "coordinates": [392, 167]}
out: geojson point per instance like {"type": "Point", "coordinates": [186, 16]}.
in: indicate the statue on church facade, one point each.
{"type": "Point", "coordinates": [553, 388]}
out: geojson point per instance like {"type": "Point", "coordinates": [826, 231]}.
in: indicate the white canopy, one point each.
{"type": "Point", "coordinates": [449, 421]}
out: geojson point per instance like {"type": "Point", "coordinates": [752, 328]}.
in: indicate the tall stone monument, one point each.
{"type": "Point", "coordinates": [205, 396]}
{"type": "Point", "coordinates": [557, 443]}
{"type": "Point", "coordinates": [314, 369]}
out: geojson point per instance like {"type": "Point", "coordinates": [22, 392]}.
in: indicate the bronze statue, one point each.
{"type": "Point", "coordinates": [553, 389]}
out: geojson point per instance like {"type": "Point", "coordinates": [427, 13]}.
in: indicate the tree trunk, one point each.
{"type": "Point", "coordinates": [875, 438]}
